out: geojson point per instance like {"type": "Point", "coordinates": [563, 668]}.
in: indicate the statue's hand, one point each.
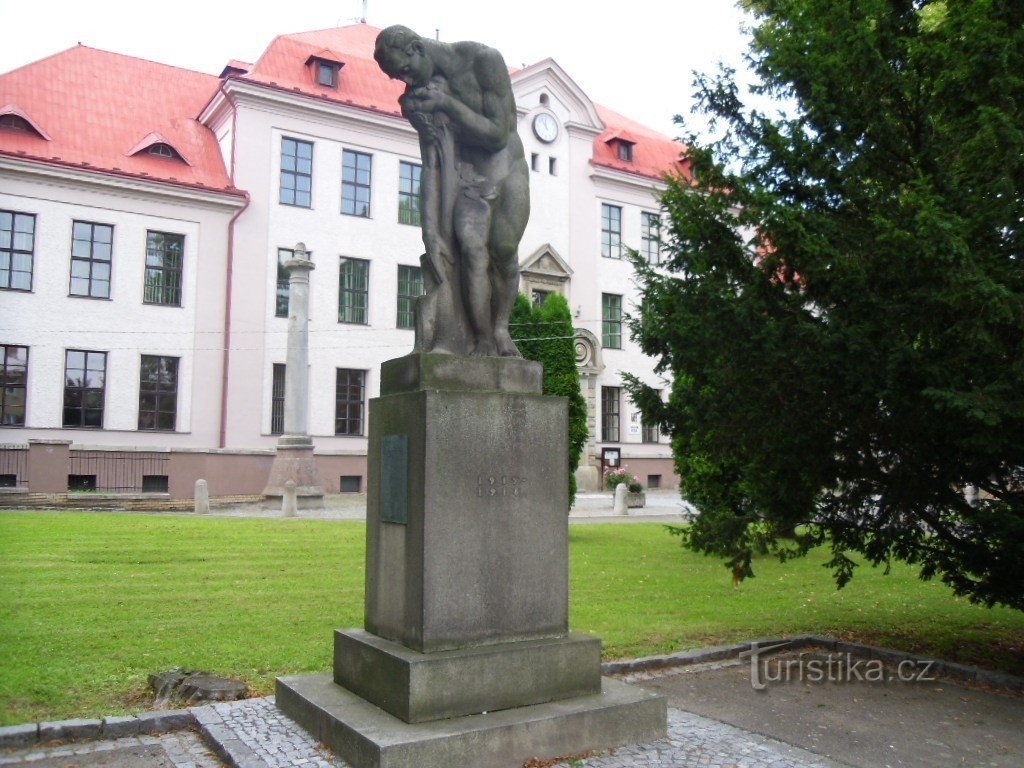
{"type": "Point", "coordinates": [429, 98]}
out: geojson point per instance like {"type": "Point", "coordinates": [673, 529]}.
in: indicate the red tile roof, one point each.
{"type": "Point", "coordinates": [360, 81]}
{"type": "Point", "coordinates": [98, 106]}
{"type": "Point", "coordinates": [362, 84]}
{"type": "Point", "coordinates": [99, 109]}
{"type": "Point", "coordinates": [654, 154]}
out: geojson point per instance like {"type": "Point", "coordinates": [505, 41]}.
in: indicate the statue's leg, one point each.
{"type": "Point", "coordinates": [511, 212]}
{"type": "Point", "coordinates": [472, 224]}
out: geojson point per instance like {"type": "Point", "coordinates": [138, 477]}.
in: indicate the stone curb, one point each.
{"type": "Point", "coordinates": [223, 741]}
{"type": "Point", "coordinates": [79, 729]}
{"type": "Point", "coordinates": [952, 670]}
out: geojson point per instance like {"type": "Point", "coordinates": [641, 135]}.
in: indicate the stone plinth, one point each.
{"type": "Point", "coordinates": [420, 371]}
{"type": "Point", "coordinates": [294, 461]}
{"type": "Point", "coordinates": [418, 687]}
{"type": "Point", "coordinates": [466, 660]}
{"type": "Point", "coordinates": [365, 736]}
{"type": "Point", "coordinates": [482, 556]}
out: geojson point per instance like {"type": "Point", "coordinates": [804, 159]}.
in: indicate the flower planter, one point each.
{"type": "Point", "coordinates": [635, 500]}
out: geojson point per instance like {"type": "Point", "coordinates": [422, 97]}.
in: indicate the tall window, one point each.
{"type": "Point", "coordinates": [650, 237]}
{"type": "Point", "coordinates": [17, 242]}
{"type": "Point", "coordinates": [350, 390]}
{"type": "Point", "coordinates": [296, 172]}
{"type": "Point", "coordinates": [625, 152]}
{"type": "Point", "coordinates": [277, 401]}
{"type": "Point", "coordinates": [611, 321]}
{"type": "Point", "coordinates": [355, 183]}
{"type": "Point", "coordinates": [90, 259]}
{"type": "Point", "coordinates": [410, 285]}
{"type": "Point", "coordinates": [164, 257]}
{"type": "Point", "coordinates": [13, 383]}
{"type": "Point", "coordinates": [353, 290]}
{"type": "Point", "coordinates": [85, 376]}
{"type": "Point", "coordinates": [409, 193]}
{"type": "Point", "coordinates": [611, 231]}
{"type": "Point", "coordinates": [158, 392]}
{"type": "Point", "coordinates": [610, 397]}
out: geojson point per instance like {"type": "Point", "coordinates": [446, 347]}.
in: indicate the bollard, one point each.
{"type": "Point", "coordinates": [202, 498]}
{"type": "Point", "coordinates": [289, 501]}
{"type": "Point", "coordinates": [620, 500]}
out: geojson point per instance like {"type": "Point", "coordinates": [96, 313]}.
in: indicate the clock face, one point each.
{"type": "Point", "coordinates": [546, 127]}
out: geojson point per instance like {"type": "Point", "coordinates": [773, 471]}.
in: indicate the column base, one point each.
{"type": "Point", "coordinates": [294, 461]}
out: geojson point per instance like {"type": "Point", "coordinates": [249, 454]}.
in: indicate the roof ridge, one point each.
{"type": "Point", "coordinates": [40, 61]}
{"type": "Point", "coordinates": [147, 61]}
{"type": "Point", "coordinates": [330, 29]}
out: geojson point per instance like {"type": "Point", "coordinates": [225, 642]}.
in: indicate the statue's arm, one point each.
{"type": "Point", "coordinates": [490, 127]}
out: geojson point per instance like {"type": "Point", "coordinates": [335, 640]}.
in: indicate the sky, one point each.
{"type": "Point", "coordinates": [636, 58]}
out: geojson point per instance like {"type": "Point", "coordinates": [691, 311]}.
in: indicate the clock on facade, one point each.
{"type": "Point", "coordinates": [545, 127]}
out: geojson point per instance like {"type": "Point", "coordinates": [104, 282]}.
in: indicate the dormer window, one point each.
{"type": "Point", "coordinates": [13, 119]}
{"type": "Point", "coordinates": [15, 123]}
{"type": "Point", "coordinates": [324, 67]}
{"type": "Point", "coordinates": [625, 151]}
{"type": "Point", "coordinates": [157, 145]}
{"type": "Point", "coordinates": [162, 150]}
{"type": "Point", "coordinates": [327, 74]}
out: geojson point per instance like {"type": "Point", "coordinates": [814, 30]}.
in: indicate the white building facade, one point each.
{"type": "Point", "coordinates": [155, 290]}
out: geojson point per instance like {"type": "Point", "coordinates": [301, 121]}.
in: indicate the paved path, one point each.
{"type": "Point", "coordinates": [181, 749]}
{"type": "Point", "coordinates": [716, 720]}
{"type": "Point", "coordinates": [662, 506]}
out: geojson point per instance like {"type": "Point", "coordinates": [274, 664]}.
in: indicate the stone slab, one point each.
{"type": "Point", "coordinates": [75, 729]}
{"type": "Point", "coordinates": [118, 727]}
{"type": "Point", "coordinates": [132, 756]}
{"type": "Point", "coordinates": [367, 737]}
{"type": "Point", "coordinates": [417, 687]}
{"type": "Point", "coordinates": [420, 371]}
{"type": "Point", "coordinates": [19, 735]}
{"type": "Point", "coordinates": [483, 556]}
{"type": "Point", "coordinates": [164, 720]}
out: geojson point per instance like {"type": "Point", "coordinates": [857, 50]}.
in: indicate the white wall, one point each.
{"type": "Point", "coordinates": [48, 320]}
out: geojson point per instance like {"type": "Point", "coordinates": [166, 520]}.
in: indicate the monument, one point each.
{"type": "Point", "coordinates": [466, 658]}
{"type": "Point", "coordinates": [294, 460]}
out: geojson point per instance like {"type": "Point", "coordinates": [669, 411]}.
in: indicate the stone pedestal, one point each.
{"type": "Point", "coordinates": [466, 658]}
{"type": "Point", "coordinates": [294, 461]}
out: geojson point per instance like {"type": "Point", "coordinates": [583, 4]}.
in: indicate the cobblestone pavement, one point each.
{"type": "Point", "coordinates": [269, 736]}
{"type": "Point", "coordinates": [693, 741]}
{"type": "Point", "coordinates": [180, 749]}
{"type": "Point", "coordinates": [704, 743]}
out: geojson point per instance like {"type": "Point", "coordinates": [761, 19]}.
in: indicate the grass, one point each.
{"type": "Point", "coordinates": [90, 603]}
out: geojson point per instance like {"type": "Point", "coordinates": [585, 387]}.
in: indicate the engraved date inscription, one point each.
{"type": "Point", "coordinates": [500, 485]}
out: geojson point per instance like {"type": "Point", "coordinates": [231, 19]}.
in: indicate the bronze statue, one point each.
{"type": "Point", "coordinates": [474, 188]}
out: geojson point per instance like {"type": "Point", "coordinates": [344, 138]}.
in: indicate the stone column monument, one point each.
{"type": "Point", "coordinates": [294, 460]}
{"type": "Point", "coordinates": [465, 659]}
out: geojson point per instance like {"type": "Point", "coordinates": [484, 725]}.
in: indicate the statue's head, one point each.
{"type": "Point", "coordinates": [402, 55]}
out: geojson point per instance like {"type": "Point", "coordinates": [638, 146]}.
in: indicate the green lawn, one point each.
{"type": "Point", "coordinates": [90, 603]}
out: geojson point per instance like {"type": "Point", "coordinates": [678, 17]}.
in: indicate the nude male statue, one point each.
{"type": "Point", "coordinates": [474, 188]}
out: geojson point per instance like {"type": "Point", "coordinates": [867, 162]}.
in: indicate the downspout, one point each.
{"type": "Point", "coordinates": [230, 271]}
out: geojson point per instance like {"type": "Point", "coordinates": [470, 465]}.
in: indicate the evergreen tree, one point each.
{"type": "Point", "coordinates": [545, 334]}
{"type": "Point", "coordinates": [843, 312]}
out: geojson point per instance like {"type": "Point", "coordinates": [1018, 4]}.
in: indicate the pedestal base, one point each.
{"type": "Point", "coordinates": [417, 687]}
{"type": "Point", "coordinates": [294, 461]}
{"type": "Point", "coordinates": [367, 737]}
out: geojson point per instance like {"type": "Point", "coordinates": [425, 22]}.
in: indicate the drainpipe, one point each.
{"type": "Point", "coordinates": [230, 271]}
